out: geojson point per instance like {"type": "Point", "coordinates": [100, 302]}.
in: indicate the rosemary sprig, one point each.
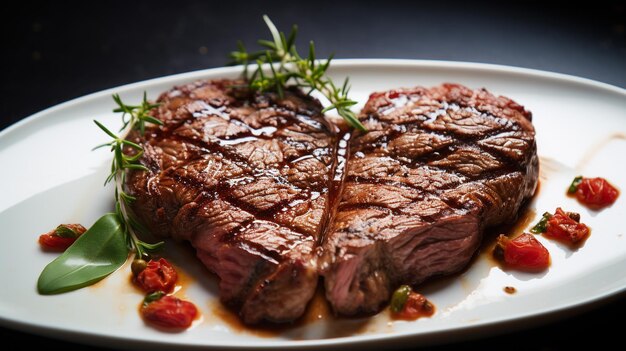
{"type": "Point", "coordinates": [287, 66]}
{"type": "Point", "coordinates": [134, 117]}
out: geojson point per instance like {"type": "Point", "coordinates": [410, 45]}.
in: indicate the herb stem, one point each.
{"type": "Point", "coordinates": [307, 73]}
{"type": "Point", "coordinates": [134, 118]}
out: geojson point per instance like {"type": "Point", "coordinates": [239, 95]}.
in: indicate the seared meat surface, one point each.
{"type": "Point", "coordinates": [437, 167]}
{"type": "Point", "coordinates": [270, 194]}
{"type": "Point", "coordinates": [244, 177]}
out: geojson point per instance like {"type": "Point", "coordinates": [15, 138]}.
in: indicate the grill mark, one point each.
{"type": "Point", "coordinates": [392, 135]}
{"type": "Point", "coordinates": [416, 164]}
{"type": "Point", "coordinates": [291, 117]}
{"type": "Point", "coordinates": [209, 147]}
{"type": "Point", "coordinates": [510, 125]}
{"type": "Point", "coordinates": [457, 140]}
{"type": "Point", "coordinates": [392, 211]}
{"type": "Point", "coordinates": [368, 206]}
{"type": "Point", "coordinates": [222, 191]}
{"type": "Point", "coordinates": [440, 154]}
{"type": "Point", "coordinates": [247, 170]}
{"type": "Point", "coordinates": [266, 215]}
{"type": "Point", "coordinates": [404, 186]}
{"type": "Point", "coordinates": [377, 181]}
{"type": "Point", "coordinates": [230, 236]}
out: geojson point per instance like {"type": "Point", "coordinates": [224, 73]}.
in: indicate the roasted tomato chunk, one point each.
{"type": "Point", "coordinates": [566, 227]}
{"type": "Point", "coordinates": [159, 275]}
{"type": "Point", "coordinates": [595, 193]}
{"type": "Point", "coordinates": [409, 305]}
{"type": "Point", "coordinates": [169, 312]}
{"type": "Point", "coordinates": [523, 253]}
{"type": "Point", "coordinates": [61, 237]}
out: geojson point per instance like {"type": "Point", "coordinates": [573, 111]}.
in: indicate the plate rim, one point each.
{"type": "Point", "coordinates": [336, 63]}
{"type": "Point", "coordinates": [372, 339]}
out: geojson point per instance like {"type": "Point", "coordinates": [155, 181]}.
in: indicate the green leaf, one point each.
{"type": "Point", "coordinates": [152, 119]}
{"type": "Point", "coordinates": [97, 253]}
{"type": "Point", "coordinates": [131, 144]}
{"type": "Point", "coordinates": [292, 36]}
{"type": "Point", "coordinates": [273, 30]}
{"type": "Point", "coordinates": [268, 44]}
{"type": "Point", "coordinates": [136, 167]}
{"type": "Point", "coordinates": [105, 129]}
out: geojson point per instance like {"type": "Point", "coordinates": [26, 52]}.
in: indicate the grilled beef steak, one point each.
{"type": "Point", "coordinates": [437, 167]}
{"type": "Point", "coordinates": [255, 182]}
{"type": "Point", "coordinates": [244, 177]}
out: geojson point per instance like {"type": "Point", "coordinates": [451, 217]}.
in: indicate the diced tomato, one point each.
{"type": "Point", "coordinates": [416, 306]}
{"type": "Point", "coordinates": [596, 193]}
{"type": "Point", "coordinates": [55, 243]}
{"type": "Point", "coordinates": [561, 226]}
{"type": "Point", "coordinates": [170, 312]}
{"type": "Point", "coordinates": [159, 275]}
{"type": "Point", "coordinates": [62, 237]}
{"type": "Point", "coordinates": [524, 253]}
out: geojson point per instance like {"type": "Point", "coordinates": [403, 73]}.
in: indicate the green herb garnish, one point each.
{"type": "Point", "coordinates": [542, 225]}
{"type": "Point", "coordinates": [134, 117]}
{"type": "Point", "coordinates": [154, 296]}
{"type": "Point", "coordinates": [287, 66]}
{"type": "Point", "coordinates": [97, 253]}
{"type": "Point", "coordinates": [105, 246]}
{"type": "Point", "coordinates": [574, 186]}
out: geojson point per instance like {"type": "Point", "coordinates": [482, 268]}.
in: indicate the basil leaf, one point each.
{"type": "Point", "coordinates": [95, 254]}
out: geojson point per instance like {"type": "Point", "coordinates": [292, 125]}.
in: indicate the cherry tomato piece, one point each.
{"type": "Point", "coordinates": [62, 237]}
{"type": "Point", "coordinates": [55, 243]}
{"type": "Point", "coordinates": [564, 227]}
{"type": "Point", "coordinates": [159, 275]}
{"type": "Point", "coordinates": [416, 306]}
{"type": "Point", "coordinates": [596, 193]}
{"type": "Point", "coordinates": [524, 253]}
{"type": "Point", "coordinates": [170, 312]}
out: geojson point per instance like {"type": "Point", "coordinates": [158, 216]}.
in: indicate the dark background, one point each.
{"type": "Point", "coordinates": [54, 52]}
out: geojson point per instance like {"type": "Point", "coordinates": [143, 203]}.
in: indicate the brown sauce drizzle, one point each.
{"type": "Point", "coordinates": [509, 290]}
{"type": "Point", "coordinates": [596, 148]}
{"type": "Point", "coordinates": [317, 310]}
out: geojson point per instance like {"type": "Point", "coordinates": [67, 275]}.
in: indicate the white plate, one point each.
{"type": "Point", "coordinates": [50, 176]}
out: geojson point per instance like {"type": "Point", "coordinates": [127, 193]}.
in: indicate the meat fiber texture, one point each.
{"type": "Point", "coordinates": [271, 194]}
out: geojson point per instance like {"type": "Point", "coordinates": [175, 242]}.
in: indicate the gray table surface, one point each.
{"type": "Point", "coordinates": [53, 52]}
